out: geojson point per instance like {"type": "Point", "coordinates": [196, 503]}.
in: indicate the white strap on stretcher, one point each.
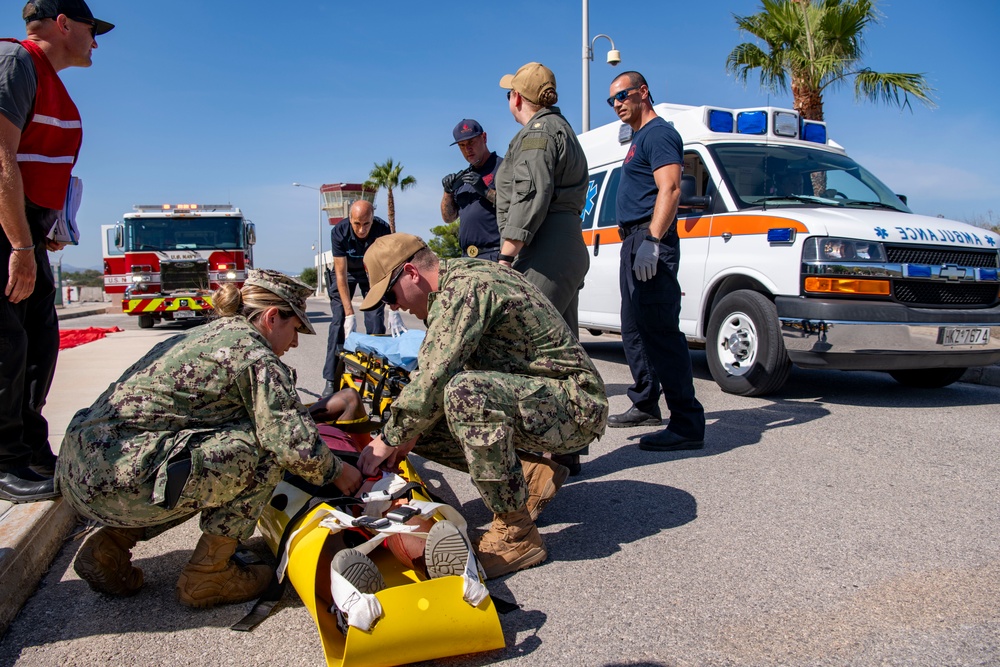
{"type": "Point", "coordinates": [363, 609]}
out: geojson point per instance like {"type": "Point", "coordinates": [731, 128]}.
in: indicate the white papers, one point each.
{"type": "Point", "coordinates": [65, 230]}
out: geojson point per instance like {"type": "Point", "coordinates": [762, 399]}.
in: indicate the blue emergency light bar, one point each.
{"type": "Point", "coordinates": [783, 123]}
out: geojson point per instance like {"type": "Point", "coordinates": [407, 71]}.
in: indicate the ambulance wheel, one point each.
{"type": "Point", "coordinates": [927, 378]}
{"type": "Point", "coordinates": [145, 321]}
{"type": "Point", "coordinates": [744, 348]}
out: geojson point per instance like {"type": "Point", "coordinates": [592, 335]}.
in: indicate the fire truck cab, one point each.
{"type": "Point", "coordinates": [166, 259]}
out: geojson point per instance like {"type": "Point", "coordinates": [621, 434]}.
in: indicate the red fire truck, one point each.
{"type": "Point", "coordinates": [167, 259]}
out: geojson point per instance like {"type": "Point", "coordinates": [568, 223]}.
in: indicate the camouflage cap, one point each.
{"type": "Point", "coordinates": [530, 80]}
{"type": "Point", "coordinates": [290, 290]}
{"type": "Point", "coordinates": [382, 258]}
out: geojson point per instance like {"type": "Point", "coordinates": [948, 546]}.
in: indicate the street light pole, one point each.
{"type": "Point", "coordinates": [614, 57]}
{"type": "Point", "coordinates": [319, 240]}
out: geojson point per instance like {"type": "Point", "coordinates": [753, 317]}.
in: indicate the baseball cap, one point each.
{"type": "Point", "coordinates": [290, 290]}
{"type": "Point", "coordinates": [466, 129]}
{"type": "Point", "coordinates": [382, 258]}
{"type": "Point", "coordinates": [75, 9]}
{"type": "Point", "coordinates": [530, 80]}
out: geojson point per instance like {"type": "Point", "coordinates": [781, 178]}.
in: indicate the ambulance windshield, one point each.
{"type": "Point", "coordinates": [184, 234]}
{"type": "Point", "coordinates": [779, 175]}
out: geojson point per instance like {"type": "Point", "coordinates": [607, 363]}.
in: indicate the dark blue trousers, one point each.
{"type": "Point", "coordinates": [656, 350]}
{"type": "Point", "coordinates": [374, 320]}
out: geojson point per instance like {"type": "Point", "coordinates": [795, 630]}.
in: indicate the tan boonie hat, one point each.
{"type": "Point", "coordinates": [290, 290]}
{"type": "Point", "coordinates": [382, 258]}
{"type": "Point", "coordinates": [531, 81]}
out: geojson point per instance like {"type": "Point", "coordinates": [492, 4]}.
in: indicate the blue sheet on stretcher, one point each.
{"type": "Point", "coordinates": [399, 351]}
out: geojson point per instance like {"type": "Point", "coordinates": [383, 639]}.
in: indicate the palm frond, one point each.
{"type": "Point", "coordinates": [892, 88]}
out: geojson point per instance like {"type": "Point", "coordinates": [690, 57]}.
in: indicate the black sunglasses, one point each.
{"type": "Point", "coordinates": [389, 298]}
{"type": "Point", "coordinates": [509, 93]}
{"type": "Point", "coordinates": [90, 22]}
{"type": "Point", "coordinates": [621, 95]}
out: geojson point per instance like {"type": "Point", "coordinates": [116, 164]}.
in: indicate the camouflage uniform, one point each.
{"type": "Point", "coordinates": [218, 392]}
{"type": "Point", "coordinates": [541, 190]}
{"type": "Point", "coordinates": [498, 370]}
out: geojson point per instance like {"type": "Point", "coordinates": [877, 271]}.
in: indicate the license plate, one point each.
{"type": "Point", "coordinates": [181, 314]}
{"type": "Point", "coordinates": [949, 336]}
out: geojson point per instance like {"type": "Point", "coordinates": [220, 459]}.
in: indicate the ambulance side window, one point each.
{"type": "Point", "coordinates": [590, 204]}
{"type": "Point", "coordinates": [608, 216]}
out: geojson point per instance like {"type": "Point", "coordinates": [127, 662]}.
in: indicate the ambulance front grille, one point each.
{"type": "Point", "coordinates": [928, 293]}
{"type": "Point", "coordinates": [937, 256]}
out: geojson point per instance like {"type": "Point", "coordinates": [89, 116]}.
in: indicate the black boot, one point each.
{"type": "Point", "coordinates": [24, 486]}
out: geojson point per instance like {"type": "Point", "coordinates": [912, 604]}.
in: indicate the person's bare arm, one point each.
{"type": "Point", "coordinates": [449, 212]}
{"type": "Point", "coordinates": [21, 267]}
{"type": "Point", "coordinates": [340, 269]}
{"type": "Point", "coordinates": [668, 184]}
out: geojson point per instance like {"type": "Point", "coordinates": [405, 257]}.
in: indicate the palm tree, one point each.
{"type": "Point", "coordinates": [388, 176]}
{"type": "Point", "coordinates": [819, 44]}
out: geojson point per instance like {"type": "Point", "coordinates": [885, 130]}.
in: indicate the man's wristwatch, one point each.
{"type": "Point", "coordinates": [650, 237]}
{"type": "Point", "coordinates": [505, 258]}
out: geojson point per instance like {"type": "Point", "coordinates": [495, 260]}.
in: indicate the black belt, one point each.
{"type": "Point", "coordinates": [625, 232]}
{"type": "Point", "coordinates": [476, 251]}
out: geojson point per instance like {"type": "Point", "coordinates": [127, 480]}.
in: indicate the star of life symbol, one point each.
{"type": "Point", "coordinates": [589, 206]}
{"type": "Point", "coordinates": [989, 239]}
{"type": "Point", "coordinates": [881, 233]}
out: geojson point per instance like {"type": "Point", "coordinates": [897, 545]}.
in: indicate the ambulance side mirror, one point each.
{"type": "Point", "coordinates": [689, 200]}
{"type": "Point", "coordinates": [251, 233]}
{"type": "Point", "coordinates": [119, 236]}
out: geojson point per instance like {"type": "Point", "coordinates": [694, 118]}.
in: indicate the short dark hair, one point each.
{"type": "Point", "coordinates": [634, 79]}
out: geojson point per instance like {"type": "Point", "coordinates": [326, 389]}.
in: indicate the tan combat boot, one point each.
{"type": "Point", "coordinates": [544, 477]}
{"type": "Point", "coordinates": [512, 543]}
{"type": "Point", "coordinates": [210, 578]}
{"type": "Point", "coordinates": [105, 561]}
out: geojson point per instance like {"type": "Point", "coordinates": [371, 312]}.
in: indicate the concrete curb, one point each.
{"type": "Point", "coordinates": [82, 312]}
{"type": "Point", "coordinates": [32, 536]}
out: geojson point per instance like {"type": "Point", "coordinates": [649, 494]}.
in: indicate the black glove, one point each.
{"type": "Point", "coordinates": [450, 181]}
{"type": "Point", "coordinates": [475, 181]}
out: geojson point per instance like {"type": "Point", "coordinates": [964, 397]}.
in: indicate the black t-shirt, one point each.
{"type": "Point", "coordinates": [346, 244]}
{"type": "Point", "coordinates": [655, 145]}
{"type": "Point", "coordinates": [478, 215]}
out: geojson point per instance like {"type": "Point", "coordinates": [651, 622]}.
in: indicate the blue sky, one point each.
{"type": "Point", "coordinates": [196, 101]}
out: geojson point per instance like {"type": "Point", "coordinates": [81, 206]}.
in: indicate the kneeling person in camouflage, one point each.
{"type": "Point", "coordinates": [206, 423]}
{"type": "Point", "coordinates": [499, 375]}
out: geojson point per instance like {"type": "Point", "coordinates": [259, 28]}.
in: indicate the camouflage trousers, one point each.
{"type": "Point", "coordinates": [488, 416]}
{"type": "Point", "coordinates": [231, 481]}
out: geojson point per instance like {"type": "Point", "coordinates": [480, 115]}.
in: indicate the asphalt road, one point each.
{"type": "Point", "coordinates": [845, 521]}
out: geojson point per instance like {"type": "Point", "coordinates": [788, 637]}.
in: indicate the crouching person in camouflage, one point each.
{"type": "Point", "coordinates": [500, 374]}
{"type": "Point", "coordinates": [204, 423]}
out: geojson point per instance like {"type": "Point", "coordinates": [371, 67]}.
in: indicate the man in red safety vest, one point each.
{"type": "Point", "coordinates": [40, 137]}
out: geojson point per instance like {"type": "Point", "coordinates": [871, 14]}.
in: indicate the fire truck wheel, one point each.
{"type": "Point", "coordinates": [745, 353]}
{"type": "Point", "coordinates": [145, 321]}
{"type": "Point", "coordinates": [927, 378]}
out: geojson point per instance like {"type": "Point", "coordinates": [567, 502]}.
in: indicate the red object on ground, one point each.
{"type": "Point", "coordinates": [73, 337]}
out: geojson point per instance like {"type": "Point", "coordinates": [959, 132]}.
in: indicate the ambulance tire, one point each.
{"type": "Point", "coordinates": [745, 352]}
{"type": "Point", "coordinates": [145, 321]}
{"type": "Point", "coordinates": [927, 378]}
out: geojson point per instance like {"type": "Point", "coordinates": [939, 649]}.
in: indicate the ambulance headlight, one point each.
{"type": "Point", "coordinates": [230, 275]}
{"type": "Point", "coordinates": [830, 249]}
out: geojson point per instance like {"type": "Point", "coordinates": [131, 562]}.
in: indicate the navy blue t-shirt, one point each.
{"type": "Point", "coordinates": [655, 145]}
{"type": "Point", "coordinates": [478, 215]}
{"type": "Point", "coordinates": [346, 244]}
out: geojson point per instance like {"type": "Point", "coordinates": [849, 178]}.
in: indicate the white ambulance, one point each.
{"type": "Point", "coordinates": [793, 253]}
